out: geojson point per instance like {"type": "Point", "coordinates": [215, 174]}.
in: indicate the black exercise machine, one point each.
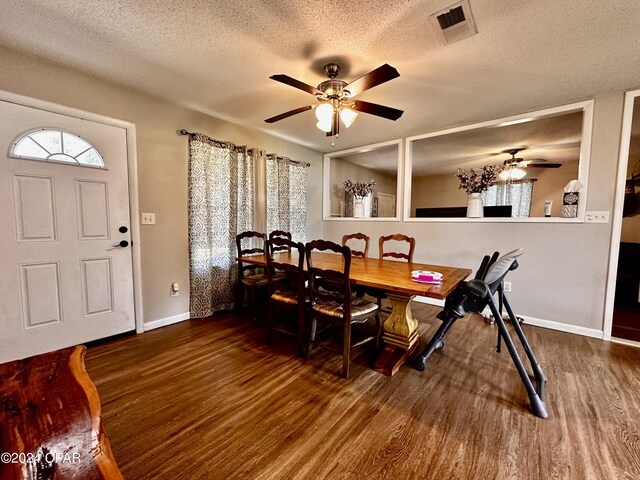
{"type": "Point", "coordinates": [474, 296]}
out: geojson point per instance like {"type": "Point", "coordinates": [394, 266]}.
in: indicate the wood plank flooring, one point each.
{"type": "Point", "coordinates": [207, 399]}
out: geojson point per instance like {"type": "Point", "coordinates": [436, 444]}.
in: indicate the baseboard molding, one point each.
{"type": "Point", "coordinates": [163, 322]}
{"type": "Point", "coordinates": [536, 322]}
{"type": "Point", "coordinates": [624, 341]}
{"type": "Point", "coordinates": [563, 327]}
{"type": "Point", "coordinates": [429, 301]}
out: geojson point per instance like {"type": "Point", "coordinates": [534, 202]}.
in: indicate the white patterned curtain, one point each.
{"type": "Point", "coordinates": [516, 193]}
{"type": "Point", "coordinates": [287, 197]}
{"type": "Point", "coordinates": [221, 196]}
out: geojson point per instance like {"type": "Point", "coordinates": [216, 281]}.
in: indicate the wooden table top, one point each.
{"type": "Point", "coordinates": [388, 275]}
{"type": "Point", "coordinates": [50, 420]}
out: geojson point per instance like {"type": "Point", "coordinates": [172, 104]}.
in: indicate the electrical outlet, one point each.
{"type": "Point", "coordinates": [597, 217]}
{"type": "Point", "coordinates": [148, 218]}
{"type": "Point", "coordinates": [174, 290]}
{"type": "Point", "coordinates": [507, 287]}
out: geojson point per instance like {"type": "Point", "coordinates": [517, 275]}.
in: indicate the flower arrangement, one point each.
{"type": "Point", "coordinates": [478, 182]}
{"type": "Point", "coordinates": [359, 189]}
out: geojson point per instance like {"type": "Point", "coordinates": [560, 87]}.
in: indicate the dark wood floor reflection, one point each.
{"type": "Point", "coordinates": [206, 399]}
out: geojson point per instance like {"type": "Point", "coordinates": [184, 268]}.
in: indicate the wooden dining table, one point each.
{"type": "Point", "coordinates": [394, 278]}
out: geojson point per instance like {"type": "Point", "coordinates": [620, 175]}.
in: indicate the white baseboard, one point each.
{"type": "Point", "coordinates": [163, 322]}
{"type": "Point", "coordinates": [624, 341]}
{"type": "Point", "coordinates": [536, 322]}
{"type": "Point", "coordinates": [563, 327]}
{"type": "Point", "coordinates": [429, 301]}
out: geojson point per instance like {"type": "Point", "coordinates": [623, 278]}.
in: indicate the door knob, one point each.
{"type": "Point", "coordinates": [122, 244]}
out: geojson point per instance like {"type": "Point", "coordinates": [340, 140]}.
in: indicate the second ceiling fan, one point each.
{"type": "Point", "coordinates": [336, 100]}
{"type": "Point", "coordinates": [522, 163]}
{"type": "Point", "coordinates": [513, 168]}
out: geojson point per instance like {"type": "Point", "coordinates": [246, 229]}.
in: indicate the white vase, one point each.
{"type": "Point", "coordinates": [358, 208]}
{"type": "Point", "coordinates": [474, 207]}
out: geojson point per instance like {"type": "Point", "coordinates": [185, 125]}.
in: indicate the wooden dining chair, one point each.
{"type": "Point", "coordinates": [333, 308]}
{"type": "Point", "coordinates": [357, 236]}
{"type": "Point", "coordinates": [251, 278]}
{"type": "Point", "coordinates": [280, 234]}
{"type": "Point", "coordinates": [287, 291]}
{"type": "Point", "coordinates": [396, 237]}
{"type": "Point", "coordinates": [392, 253]}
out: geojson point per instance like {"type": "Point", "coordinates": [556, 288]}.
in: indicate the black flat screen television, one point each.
{"type": "Point", "coordinates": [458, 212]}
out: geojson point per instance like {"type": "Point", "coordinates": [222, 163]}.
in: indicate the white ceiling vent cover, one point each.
{"type": "Point", "coordinates": [455, 22]}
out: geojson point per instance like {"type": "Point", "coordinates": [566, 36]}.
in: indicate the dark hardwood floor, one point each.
{"type": "Point", "coordinates": [207, 399]}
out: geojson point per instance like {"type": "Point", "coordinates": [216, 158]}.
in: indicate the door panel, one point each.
{"type": "Point", "coordinates": [40, 294]}
{"type": "Point", "coordinates": [34, 204]}
{"type": "Point", "coordinates": [62, 281]}
{"type": "Point", "coordinates": [97, 287]}
{"type": "Point", "coordinates": [92, 208]}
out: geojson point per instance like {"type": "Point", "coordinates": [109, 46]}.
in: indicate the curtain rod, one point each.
{"type": "Point", "coordinates": [296, 162]}
{"type": "Point", "coordinates": [215, 140]}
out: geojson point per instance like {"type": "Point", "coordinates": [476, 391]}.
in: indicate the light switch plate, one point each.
{"type": "Point", "coordinates": [597, 217]}
{"type": "Point", "coordinates": [148, 218]}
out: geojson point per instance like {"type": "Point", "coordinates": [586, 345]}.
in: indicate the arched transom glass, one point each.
{"type": "Point", "coordinates": [48, 145]}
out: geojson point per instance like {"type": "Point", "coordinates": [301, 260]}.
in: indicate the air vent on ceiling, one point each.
{"type": "Point", "coordinates": [455, 22]}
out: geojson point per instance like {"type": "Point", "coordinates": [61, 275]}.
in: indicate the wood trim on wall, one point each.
{"type": "Point", "coordinates": [616, 229]}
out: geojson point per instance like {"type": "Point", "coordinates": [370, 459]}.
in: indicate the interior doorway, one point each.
{"type": "Point", "coordinates": [622, 316]}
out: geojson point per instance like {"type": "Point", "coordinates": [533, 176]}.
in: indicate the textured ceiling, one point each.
{"type": "Point", "coordinates": [216, 56]}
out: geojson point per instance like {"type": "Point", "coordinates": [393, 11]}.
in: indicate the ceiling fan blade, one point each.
{"type": "Point", "coordinates": [374, 78]}
{"type": "Point", "coordinates": [288, 114]}
{"type": "Point", "coordinates": [287, 80]}
{"type": "Point", "coordinates": [379, 110]}
{"type": "Point", "coordinates": [543, 165]}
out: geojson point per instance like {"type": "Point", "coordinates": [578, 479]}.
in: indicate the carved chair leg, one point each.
{"type": "Point", "coordinates": [301, 324]}
{"type": "Point", "coordinates": [346, 348]}
{"type": "Point", "coordinates": [312, 337]}
{"type": "Point", "coordinates": [269, 323]}
{"type": "Point", "coordinates": [378, 329]}
{"type": "Point", "coordinates": [239, 300]}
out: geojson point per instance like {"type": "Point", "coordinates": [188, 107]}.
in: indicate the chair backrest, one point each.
{"type": "Point", "coordinates": [497, 270]}
{"type": "Point", "coordinates": [295, 275]}
{"type": "Point", "coordinates": [249, 243]}
{"type": "Point", "coordinates": [357, 236]}
{"type": "Point", "coordinates": [398, 237]}
{"type": "Point", "coordinates": [279, 234]}
{"type": "Point", "coordinates": [326, 284]}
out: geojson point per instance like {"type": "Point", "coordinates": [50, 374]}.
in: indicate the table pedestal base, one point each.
{"type": "Point", "coordinates": [392, 358]}
{"type": "Point", "coordinates": [400, 334]}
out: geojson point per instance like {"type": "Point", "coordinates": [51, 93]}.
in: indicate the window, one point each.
{"type": "Point", "coordinates": [287, 197]}
{"type": "Point", "coordinates": [48, 145]}
{"type": "Point", "coordinates": [518, 194]}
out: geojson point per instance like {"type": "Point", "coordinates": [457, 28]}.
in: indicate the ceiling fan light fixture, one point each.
{"type": "Point", "coordinates": [324, 126]}
{"type": "Point", "coordinates": [348, 116]}
{"type": "Point", "coordinates": [512, 173]}
{"type": "Point", "coordinates": [324, 113]}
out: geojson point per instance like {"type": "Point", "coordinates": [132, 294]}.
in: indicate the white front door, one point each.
{"type": "Point", "coordinates": [63, 278]}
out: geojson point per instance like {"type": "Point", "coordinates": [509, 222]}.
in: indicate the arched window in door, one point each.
{"type": "Point", "coordinates": [49, 145]}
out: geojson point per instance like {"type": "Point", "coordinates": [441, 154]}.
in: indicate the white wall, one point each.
{"type": "Point", "coordinates": [563, 273]}
{"type": "Point", "coordinates": [162, 163]}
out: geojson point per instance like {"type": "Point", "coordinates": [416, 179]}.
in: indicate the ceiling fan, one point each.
{"type": "Point", "coordinates": [522, 163]}
{"type": "Point", "coordinates": [336, 100]}
{"type": "Point", "coordinates": [513, 167]}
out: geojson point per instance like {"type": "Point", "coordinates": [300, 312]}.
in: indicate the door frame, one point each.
{"type": "Point", "coordinates": [616, 230]}
{"type": "Point", "coordinates": [132, 169]}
